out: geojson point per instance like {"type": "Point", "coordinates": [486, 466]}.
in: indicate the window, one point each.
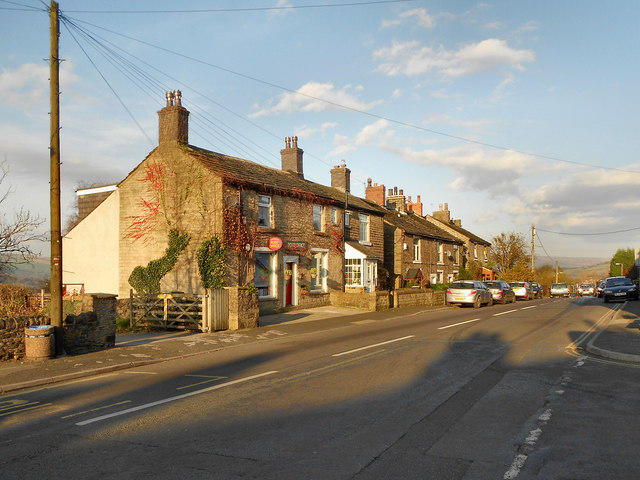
{"type": "Point", "coordinates": [317, 217]}
{"type": "Point", "coordinates": [334, 216]}
{"type": "Point", "coordinates": [364, 228]}
{"type": "Point", "coordinates": [475, 252]}
{"type": "Point", "coordinates": [485, 254]}
{"type": "Point", "coordinates": [456, 253]}
{"type": "Point", "coordinates": [440, 277]}
{"type": "Point", "coordinates": [319, 262]}
{"type": "Point", "coordinates": [440, 253]}
{"type": "Point", "coordinates": [353, 272]}
{"type": "Point", "coordinates": [264, 211]}
{"type": "Point", "coordinates": [264, 276]}
{"type": "Point", "coordinates": [347, 219]}
{"type": "Point", "coordinates": [416, 249]}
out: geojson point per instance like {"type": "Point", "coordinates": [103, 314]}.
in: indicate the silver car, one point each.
{"type": "Point", "coordinates": [469, 292]}
{"type": "Point", "coordinates": [501, 291]}
{"type": "Point", "coordinates": [523, 290]}
{"type": "Point", "coordinates": [559, 290]}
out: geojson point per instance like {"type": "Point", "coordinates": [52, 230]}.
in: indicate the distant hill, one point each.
{"type": "Point", "coordinates": [33, 274]}
{"type": "Point", "coordinates": [566, 263]}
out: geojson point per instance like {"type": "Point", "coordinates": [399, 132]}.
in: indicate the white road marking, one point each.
{"type": "Point", "coordinates": [456, 324]}
{"type": "Point", "coordinates": [504, 313]}
{"type": "Point", "coordinates": [173, 399]}
{"type": "Point", "coordinates": [527, 308]}
{"type": "Point", "coordinates": [372, 346]}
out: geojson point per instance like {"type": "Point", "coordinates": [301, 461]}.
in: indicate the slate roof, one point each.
{"type": "Point", "coordinates": [261, 176]}
{"type": "Point", "coordinates": [366, 250]}
{"type": "Point", "coordinates": [414, 224]}
{"type": "Point", "coordinates": [471, 236]}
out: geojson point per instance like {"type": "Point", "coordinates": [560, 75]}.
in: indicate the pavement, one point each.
{"type": "Point", "coordinates": [616, 337]}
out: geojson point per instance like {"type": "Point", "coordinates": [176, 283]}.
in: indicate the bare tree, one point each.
{"type": "Point", "coordinates": [16, 234]}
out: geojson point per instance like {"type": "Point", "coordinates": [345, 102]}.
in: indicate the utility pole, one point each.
{"type": "Point", "coordinates": [533, 249]}
{"type": "Point", "coordinates": [556, 271]}
{"type": "Point", "coordinates": [54, 153]}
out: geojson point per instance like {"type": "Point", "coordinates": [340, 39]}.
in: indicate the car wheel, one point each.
{"type": "Point", "coordinates": [490, 302]}
{"type": "Point", "coordinates": [476, 303]}
{"type": "Point", "coordinates": [503, 301]}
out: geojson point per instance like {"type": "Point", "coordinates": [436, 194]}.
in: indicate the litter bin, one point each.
{"type": "Point", "coordinates": [39, 342]}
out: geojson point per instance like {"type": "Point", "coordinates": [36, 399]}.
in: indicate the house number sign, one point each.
{"type": "Point", "coordinates": [274, 243]}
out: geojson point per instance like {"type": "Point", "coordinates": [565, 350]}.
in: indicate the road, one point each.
{"type": "Point", "coordinates": [499, 392]}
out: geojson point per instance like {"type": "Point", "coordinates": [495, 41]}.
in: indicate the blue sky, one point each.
{"type": "Point", "coordinates": [512, 112]}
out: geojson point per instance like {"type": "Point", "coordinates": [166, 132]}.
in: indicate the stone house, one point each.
{"type": "Point", "coordinates": [416, 251]}
{"type": "Point", "coordinates": [283, 234]}
{"type": "Point", "coordinates": [475, 249]}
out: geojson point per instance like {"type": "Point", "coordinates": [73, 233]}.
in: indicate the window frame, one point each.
{"type": "Point", "coordinates": [270, 284]}
{"type": "Point", "coordinates": [364, 228]}
{"type": "Point", "coordinates": [417, 251]}
{"type": "Point", "coordinates": [261, 208]}
{"type": "Point", "coordinates": [319, 259]}
{"type": "Point", "coordinates": [318, 214]}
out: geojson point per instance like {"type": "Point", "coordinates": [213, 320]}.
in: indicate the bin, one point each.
{"type": "Point", "coordinates": [39, 342]}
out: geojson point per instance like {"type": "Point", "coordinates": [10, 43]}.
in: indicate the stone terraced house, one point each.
{"type": "Point", "coordinates": [417, 253]}
{"type": "Point", "coordinates": [293, 239]}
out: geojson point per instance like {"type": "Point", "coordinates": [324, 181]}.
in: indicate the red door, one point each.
{"type": "Point", "coordinates": [288, 286]}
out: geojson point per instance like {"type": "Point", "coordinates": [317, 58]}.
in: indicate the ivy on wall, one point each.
{"type": "Point", "coordinates": [211, 263]}
{"type": "Point", "coordinates": [146, 280]}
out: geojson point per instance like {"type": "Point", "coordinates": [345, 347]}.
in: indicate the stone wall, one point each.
{"type": "Point", "coordinates": [416, 297]}
{"type": "Point", "coordinates": [94, 328]}
{"type": "Point", "coordinates": [243, 308]}
{"type": "Point", "coordinates": [91, 327]}
{"type": "Point", "coordinates": [12, 335]}
{"type": "Point", "coordinates": [372, 302]}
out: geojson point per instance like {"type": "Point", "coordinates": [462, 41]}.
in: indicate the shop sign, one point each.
{"type": "Point", "coordinates": [274, 243]}
{"type": "Point", "coordinates": [300, 247]}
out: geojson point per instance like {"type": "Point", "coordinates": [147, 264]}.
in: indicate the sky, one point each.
{"type": "Point", "coordinates": [514, 113]}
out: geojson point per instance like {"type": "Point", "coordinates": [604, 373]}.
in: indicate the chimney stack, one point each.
{"type": "Point", "coordinates": [415, 207]}
{"type": "Point", "coordinates": [292, 156]}
{"type": "Point", "coordinates": [341, 178]}
{"type": "Point", "coordinates": [173, 121]}
{"type": "Point", "coordinates": [396, 200]}
{"type": "Point", "coordinates": [444, 215]}
{"type": "Point", "coordinates": [375, 193]}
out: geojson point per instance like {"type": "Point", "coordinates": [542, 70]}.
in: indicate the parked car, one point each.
{"type": "Point", "coordinates": [586, 289]}
{"type": "Point", "coordinates": [469, 292]}
{"type": "Point", "coordinates": [559, 290]}
{"type": "Point", "coordinates": [501, 291]}
{"type": "Point", "coordinates": [537, 290]}
{"type": "Point", "coordinates": [522, 290]}
{"type": "Point", "coordinates": [619, 288]}
{"type": "Point", "coordinates": [600, 288]}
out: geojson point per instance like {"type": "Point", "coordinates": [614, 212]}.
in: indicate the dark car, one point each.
{"type": "Point", "coordinates": [537, 290]}
{"type": "Point", "coordinates": [619, 288]}
{"type": "Point", "coordinates": [600, 288]}
{"type": "Point", "coordinates": [501, 291]}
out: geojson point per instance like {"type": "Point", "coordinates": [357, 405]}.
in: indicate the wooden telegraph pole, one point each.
{"type": "Point", "coordinates": [533, 249]}
{"type": "Point", "coordinates": [54, 153]}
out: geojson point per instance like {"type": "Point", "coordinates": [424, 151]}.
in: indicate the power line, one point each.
{"type": "Point", "coordinates": [362, 112]}
{"type": "Point", "coordinates": [247, 9]}
{"type": "Point", "coordinates": [589, 234]}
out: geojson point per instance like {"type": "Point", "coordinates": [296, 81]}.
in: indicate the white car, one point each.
{"type": "Point", "coordinates": [469, 292]}
{"type": "Point", "coordinates": [559, 290]}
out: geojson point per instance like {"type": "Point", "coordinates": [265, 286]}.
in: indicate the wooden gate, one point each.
{"type": "Point", "coordinates": [166, 311]}
{"type": "Point", "coordinates": [215, 310]}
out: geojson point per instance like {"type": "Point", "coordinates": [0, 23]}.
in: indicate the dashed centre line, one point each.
{"type": "Point", "coordinates": [372, 346]}
{"type": "Point", "coordinates": [456, 324]}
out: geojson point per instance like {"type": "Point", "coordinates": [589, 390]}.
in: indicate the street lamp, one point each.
{"type": "Point", "coordinates": [620, 268]}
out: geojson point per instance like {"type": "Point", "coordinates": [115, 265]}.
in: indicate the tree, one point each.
{"type": "Point", "coordinates": [16, 234]}
{"type": "Point", "coordinates": [624, 256]}
{"type": "Point", "coordinates": [507, 251]}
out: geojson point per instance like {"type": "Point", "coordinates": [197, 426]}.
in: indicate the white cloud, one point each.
{"type": "Point", "coordinates": [28, 86]}
{"type": "Point", "coordinates": [342, 146]}
{"type": "Point", "coordinates": [374, 133]}
{"type": "Point", "coordinates": [420, 15]}
{"type": "Point", "coordinates": [412, 58]}
{"type": "Point", "coordinates": [315, 97]}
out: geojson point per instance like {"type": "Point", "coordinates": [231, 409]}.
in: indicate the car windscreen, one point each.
{"type": "Point", "coordinates": [461, 285]}
{"type": "Point", "coordinates": [616, 282]}
{"type": "Point", "coordinates": [517, 284]}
